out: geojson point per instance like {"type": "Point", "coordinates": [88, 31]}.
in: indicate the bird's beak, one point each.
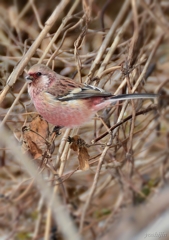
{"type": "Point", "coordinates": [29, 78]}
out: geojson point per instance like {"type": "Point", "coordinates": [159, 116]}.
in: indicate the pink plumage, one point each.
{"type": "Point", "coordinates": [65, 103]}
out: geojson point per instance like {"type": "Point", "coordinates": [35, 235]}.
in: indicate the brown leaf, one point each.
{"type": "Point", "coordinates": [35, 137]}
{"type": "Point", "coordinates": [79, 145]}
{"type": "Point", "coordinates": [83, 157]}
{"type": "Point", "coordinates": [29, 145]}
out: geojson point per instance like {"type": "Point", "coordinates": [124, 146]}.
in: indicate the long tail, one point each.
{"type": "Point", "coordinates": [132, 96]}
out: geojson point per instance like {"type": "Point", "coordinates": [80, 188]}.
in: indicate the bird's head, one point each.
{"type": "Point", "coordinates": [39, 76]}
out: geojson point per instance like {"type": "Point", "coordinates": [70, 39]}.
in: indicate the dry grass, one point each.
{"type": "Point", "coordinates": [121, 46]}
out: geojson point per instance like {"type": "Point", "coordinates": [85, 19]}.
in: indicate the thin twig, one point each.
{"type": "Point", "coordinates": [21, 65]}
{"type": "Point", "coordinates": [151, 108]}
{"type": "Point", "coordinates": [107, 39]}
{"type": "Point", "coordinates": [93, 188]}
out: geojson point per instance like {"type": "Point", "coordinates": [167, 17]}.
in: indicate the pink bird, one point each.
{"type": "Point", "coordinates": [65, 103]}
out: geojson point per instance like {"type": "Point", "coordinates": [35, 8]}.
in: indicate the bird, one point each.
{"type": "Point", "coordinates": [65, 103]}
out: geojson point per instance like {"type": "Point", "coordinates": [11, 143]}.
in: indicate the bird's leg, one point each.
{"type": "Point", "coordinates": [56, 130]}
{"type": "Point", "coordinates": [70, 139]}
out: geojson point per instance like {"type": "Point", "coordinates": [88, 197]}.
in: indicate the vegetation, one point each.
{"type": "Point", "coordinates": [106, 179]}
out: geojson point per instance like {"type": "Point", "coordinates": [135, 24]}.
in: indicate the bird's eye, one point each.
{"type": "Point", "coordinates": [38, 74]}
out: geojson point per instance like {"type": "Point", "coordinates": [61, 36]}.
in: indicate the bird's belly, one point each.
{"type": "Point", "coordinates": [66, 114]}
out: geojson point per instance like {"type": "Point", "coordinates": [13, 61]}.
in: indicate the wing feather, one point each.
{"type": "Point", "coordinates": [70, 90]}
{"type": "Point", "coordinates": [86, 91]}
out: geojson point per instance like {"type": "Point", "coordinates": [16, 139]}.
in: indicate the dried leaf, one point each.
{"type": "Point", "coordinates": [35, 137]}
{"type": "Point", "coordinates": [79, 146]}
{"type": "Point", "coordinates": [83, 157]}
{"type": "Point", "coordinates": [29, 145]}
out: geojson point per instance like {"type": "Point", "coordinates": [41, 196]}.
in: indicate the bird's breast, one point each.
{"type": "Point", "coordinates": [66, 113]}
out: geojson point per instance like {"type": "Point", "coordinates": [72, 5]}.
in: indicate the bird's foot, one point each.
{"type": "Point", "coordinates": [56, 130]}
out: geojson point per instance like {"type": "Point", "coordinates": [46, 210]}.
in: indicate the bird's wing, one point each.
{"type": "Point", "coordinates": [87, 91]}
{"type": "Point", "coordinates": [67, 90]}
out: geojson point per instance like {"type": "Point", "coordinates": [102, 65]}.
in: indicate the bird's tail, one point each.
{"type": "Point", "coordinates": [120, 97]}
{"type": "Point", "coordinates": [133, 96]}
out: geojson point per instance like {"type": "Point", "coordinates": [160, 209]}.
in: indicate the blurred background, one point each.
{"type": "Point", "coordinates": [123, 47]}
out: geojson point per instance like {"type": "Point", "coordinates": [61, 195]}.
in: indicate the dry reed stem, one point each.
{"type": "Point", "coordinates": [154, 17]}
{"type": "Point", "coordinates": [36, 14]}
{"type": "Point", "coordinates": [61, 159]}
{"type": "Point", "coordinates": [93, 188]}
{"type": "Point", "coordinates": [21, 65]}
{"type": "Point", "coordinates": [38, 221]}
{"type": "Point", "coordinates": [107, 39]}
{"type": "Point", "coordinates": [113, 48]}
{"type": "Point", "coordinates": [13, 104]}
{"type": "Point", "coordinates": [140, 218]}
{"type": "Point", "coordinates": [130, 139]}
{"type": "Point", "coordinates": [57, 50]}
{"type": "Point", "coordinates": [60, 29]}
{"type": "Point", "coordinates": [52, 200]}
{"type": "Point", "coordinates": [158, 40]}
